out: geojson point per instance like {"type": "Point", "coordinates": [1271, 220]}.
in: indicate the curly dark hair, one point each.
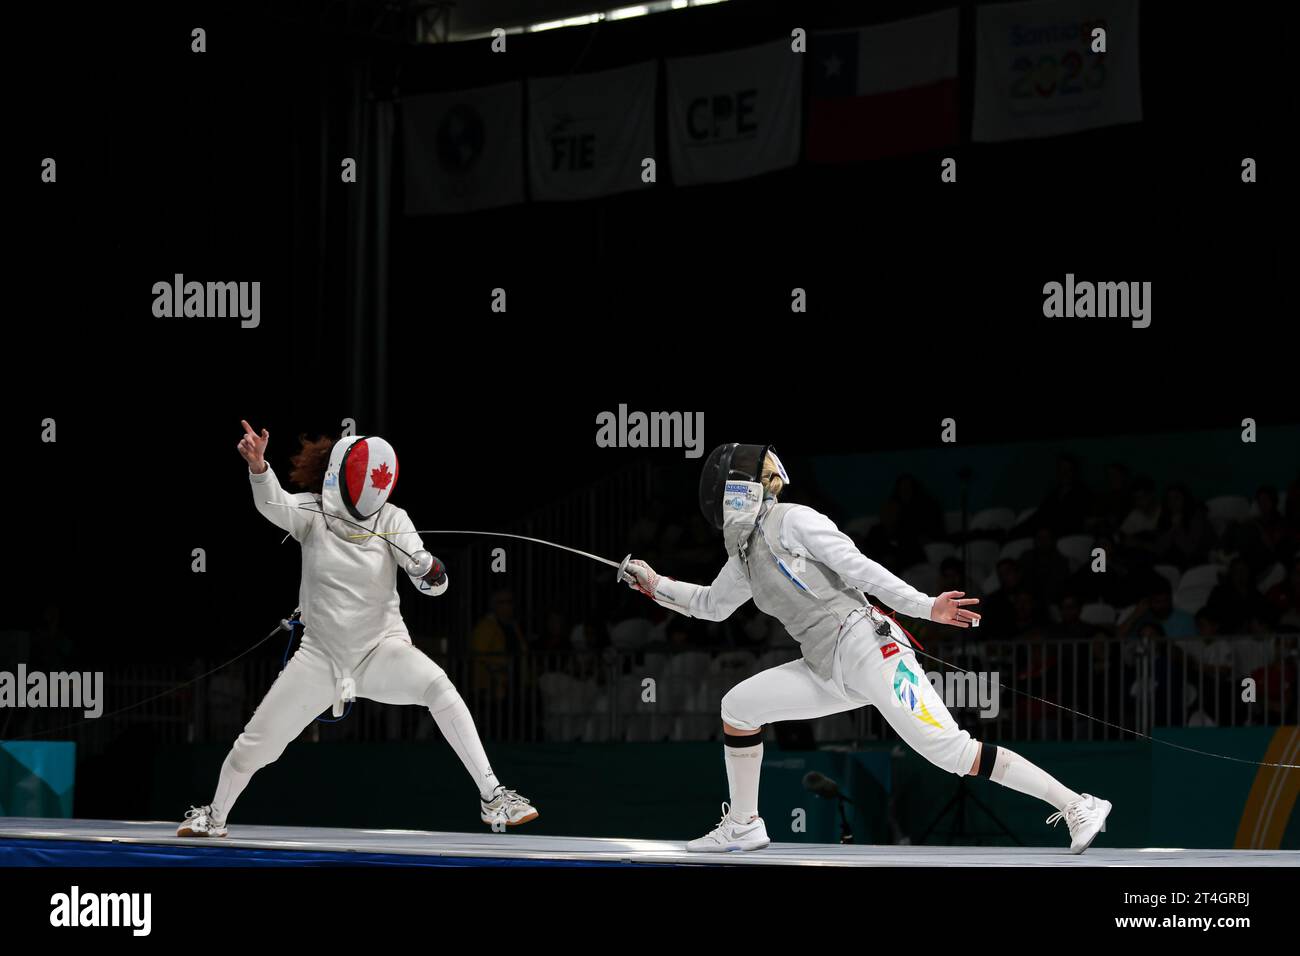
{"type": "Point", "coordinates": [309, 464]}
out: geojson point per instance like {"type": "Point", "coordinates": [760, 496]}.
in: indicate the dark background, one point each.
{"type": "Point", "coordinates": [925, 300]}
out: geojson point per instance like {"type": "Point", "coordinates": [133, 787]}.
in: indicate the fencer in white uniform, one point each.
{"type": "Point", "coordinates": [801, 569]}
{"type": "Point", "coordinates": [354, 641]}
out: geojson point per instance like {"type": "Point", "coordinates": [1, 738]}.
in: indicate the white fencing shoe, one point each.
{"type": "Point", "coordinates": [1086, 817]}
{"type": "Point", "coordinates": [731, 834]}
{"type": "Point", "coordinates": [506, 808]}
{"type": "Point", "coordinates": [200, 822]}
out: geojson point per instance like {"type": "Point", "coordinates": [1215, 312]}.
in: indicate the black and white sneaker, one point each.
{"type": "Point", "coordinates": [506, 808]}
{"type": "Point", "coordinates": [201, 822]}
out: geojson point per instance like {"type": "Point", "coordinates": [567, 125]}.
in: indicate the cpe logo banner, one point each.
{"type": "Point", "coordinates": [734, 115]}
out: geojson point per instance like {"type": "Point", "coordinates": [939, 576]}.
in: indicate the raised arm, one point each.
{"type": "Point", "coordinates": [816, 536]}
{"type": "Point", "coordinates": [275, 504]}
{"type": "Point", "coordinates": [714, 602]}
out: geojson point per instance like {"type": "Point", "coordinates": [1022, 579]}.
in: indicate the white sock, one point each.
{"type": "Point", "coordinates": [230, 785]}
{"type": "Point", "coordinates": [1014, 771]}
{"type": "Point", "coordinates": [743, 766]}
{"type": "Point", "coordinates": [457, 725]}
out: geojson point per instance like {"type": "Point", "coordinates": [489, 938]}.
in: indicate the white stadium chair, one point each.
{"type": "Point", "coordinates": [656, 662]}
{"type": "Point", "coordinates": [1077, 549]}
{"type": "Point", "coordinates": [1169, 573]}
{"type": "Point", "coordinates": [1202, 575]}
{"type": "Point", "coordinates": [1274, 575]}
{"type": "Point", "coordinates": [937, 551]}
{"type": "Point", "coordinates": [1191, 598]}
{"type": "Point", "coordinates": [1102, 615]}
{"type": "Point", "coordinates": [1015, 548]}
{"type": "Point", "coordinates": [993, 519]}
{"type": "Point", "coordinates": [631, 635]}
{"type": "Point", "coordinates": [1025, 516]}
{"type": "Point", "coordinates": [688, 664]}
{"type": "Point", "coordinates": [982, 557]}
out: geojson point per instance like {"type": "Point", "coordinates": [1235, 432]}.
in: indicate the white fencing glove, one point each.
{"type": "Point", "coordinates": [674, 595]}
{"type": "Point", "coordinates": [641, 577]}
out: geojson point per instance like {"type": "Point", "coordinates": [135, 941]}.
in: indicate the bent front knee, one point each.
{"type": "Point", "coordinates": [737, 717]}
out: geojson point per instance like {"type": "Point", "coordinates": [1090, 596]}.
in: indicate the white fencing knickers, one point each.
{"type": "Point", "coordinates": [868, 669]}
{"type": "Point", "coordinates": [395, 672]}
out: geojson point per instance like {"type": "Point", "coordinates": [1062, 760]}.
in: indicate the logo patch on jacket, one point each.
{"type": "Point", "coordinates": [889, 650]}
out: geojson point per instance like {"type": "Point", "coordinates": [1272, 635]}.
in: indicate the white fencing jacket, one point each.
{"type": "Point", "coordinates": [348, 591]}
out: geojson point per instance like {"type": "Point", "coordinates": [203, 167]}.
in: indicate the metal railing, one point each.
{"type": "Point", "coordinates": [606, 695]}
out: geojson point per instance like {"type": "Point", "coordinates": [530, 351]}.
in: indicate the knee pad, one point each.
{"type": "Point", "coordinates": [441, 694]}
{"type": "Point", "coordinates": [249, 755]}
{"type": "Point", "coordinates": [237, 763]}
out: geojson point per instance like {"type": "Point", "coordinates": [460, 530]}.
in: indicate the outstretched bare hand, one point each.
{"type": "Point", "coordinates": [950, 608]}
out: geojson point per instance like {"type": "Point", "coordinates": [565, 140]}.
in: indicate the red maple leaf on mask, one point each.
{"type": "Point", "coordinates": [381, 477]}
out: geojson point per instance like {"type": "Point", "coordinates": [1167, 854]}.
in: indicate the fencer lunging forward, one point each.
{"type": "Point", "coordinates": [354, 642]}
{"type": "Point", "coordinates": [801, 569]}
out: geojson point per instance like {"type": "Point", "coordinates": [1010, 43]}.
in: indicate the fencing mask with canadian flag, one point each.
{"type": "Point", "coordinates": [361, 474]}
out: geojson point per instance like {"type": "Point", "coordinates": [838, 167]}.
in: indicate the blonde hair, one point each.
{"type": "Point", "coordinates": [771, 479]}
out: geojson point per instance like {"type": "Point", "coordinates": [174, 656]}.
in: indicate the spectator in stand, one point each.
{"type": "Point", "coordinates": [1237, 604]}
{"type": "Point", "coordinates": [1044, 569]}
{"type": "Point", "coordinates": [1168, 675]}
{"type": "Point", "coordinates": [496, 643]}
{"type": "Point", "coordinates": [1284, 598]}
{"type": "Point", "coordinates": [1140, 523]}
{"type": "Point", "coordinates": [1266, 538]}
{"type": "Point", "coordinates": [920, 516]}
{"type": "Point", "coordinates": [1112, 505]}
{"type": "Point", "coordinates": [952, 575]}
{"type": "Point", "coordinates": [1105, 690]}
{"type": "Point", "coordinates": [1026, 617]}
{"type": "Point", "coordinates": [998, 611]}
{"type": "Point", "coordinates": [1072, 626]}
{"type": "Point", "coordinates": [1116, 586]}
{"type": "Point", "coordinates": [555, 638]}
{"type": "Point", "coordinates": [1183, 536]}
{"type": "Point", "coordinates": [1069, 504]}
{"type": "Point", "coordinates": [1157, 609]}
{"type": "Point", "coordinates": [1037, 667]}
{"type": "Point", "coordinates": [889, 543]}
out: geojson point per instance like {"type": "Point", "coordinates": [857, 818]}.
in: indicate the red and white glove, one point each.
{"type": "Point", "coordinates": [665, 591]}
{"type": "Point", "coordinates": [641, 577]}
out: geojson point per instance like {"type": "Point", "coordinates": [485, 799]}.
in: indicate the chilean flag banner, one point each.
{"type": "Point", "coordinates": [883, 91]}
